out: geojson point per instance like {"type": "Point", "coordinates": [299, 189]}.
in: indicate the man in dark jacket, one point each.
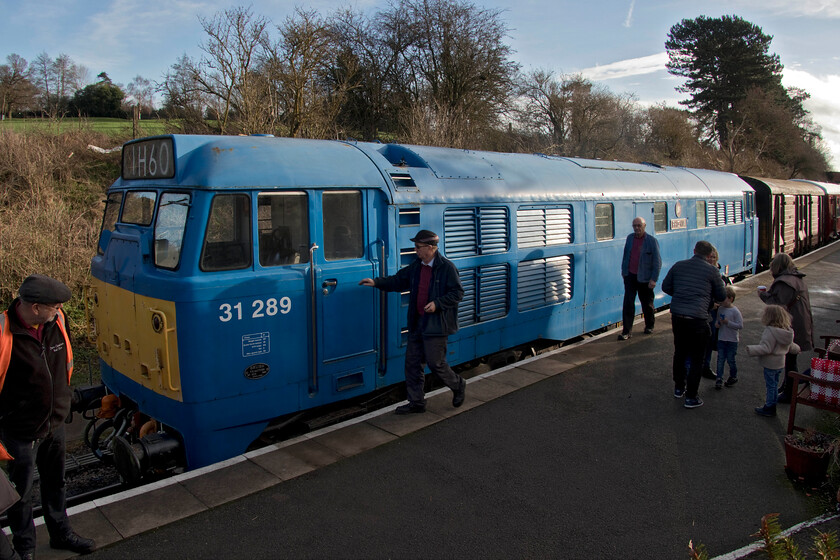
{"type": "Point", "coordinates": [693, 285]}
{"type": "Point", "coordinates": [435, 291]}
{"type": "Point", "coordinates": [35, 368]}
{"type": "Point", "coordinates": [640, 268]}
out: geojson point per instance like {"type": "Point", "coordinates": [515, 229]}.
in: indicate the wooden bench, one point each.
{"type": "Point", "coordinates": [805, 395]}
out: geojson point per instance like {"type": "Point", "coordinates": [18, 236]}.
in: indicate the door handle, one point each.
{"type": "Point", "coordinates": [327, 284]}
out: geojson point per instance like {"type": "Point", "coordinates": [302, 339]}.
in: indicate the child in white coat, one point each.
{"type": "Point", "coordinates": [776, 342]}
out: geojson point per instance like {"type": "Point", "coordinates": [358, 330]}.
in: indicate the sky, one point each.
{"type": "Point", "coordinates": [616, 43]}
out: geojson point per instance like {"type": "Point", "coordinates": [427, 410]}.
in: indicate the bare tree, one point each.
{"type": "Point", "coordinates": [56, 80]}
{"type": "Point", "coordinates": [233, 48]}
{"type": "Point", "coordinates": [141, 94]}
{"type": "Point", "coordinates": [371, 69]}
{"type": "Point", "coordinates": [300, 65]}
{"type": "Point", "coordinates": [458, 66]}
{"type": "Point", "coordinates": [16, 91]}
{"type": "Point", "coordinates": [184, 102]}
{"type": "Point", "coordinates": [671, 138]}
{"type": "Point", "coordinates": [772, 138]}
{"type": "Point", "coordinates": [580, 118]}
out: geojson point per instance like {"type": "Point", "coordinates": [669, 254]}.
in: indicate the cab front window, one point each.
{"type": "Point", "coordinates": [169, 229]}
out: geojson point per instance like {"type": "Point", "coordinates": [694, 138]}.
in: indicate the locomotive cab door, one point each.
{"type": "Point", "coordinates": [344, 313]}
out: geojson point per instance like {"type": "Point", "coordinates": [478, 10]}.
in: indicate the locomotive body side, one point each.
{"type": "Point", "coordinates": [226, 286]}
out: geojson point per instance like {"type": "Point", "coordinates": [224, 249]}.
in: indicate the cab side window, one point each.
{"type": "Point", "coordinates": [342, 221]}
{"type": "Point", "coordinates": [283, 228]}
{"type": "Point", "coordinates": [227, 242]}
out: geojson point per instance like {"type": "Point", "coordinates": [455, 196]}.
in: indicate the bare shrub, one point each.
{"type": "Point", "coordinates": [51, 192]}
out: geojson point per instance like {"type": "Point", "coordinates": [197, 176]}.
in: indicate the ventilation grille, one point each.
{"type": "Point", "coordinates": [720, 212]}
{"type": "Point", "coordinates": [475, 231]}
{"type": "Point", "coordinates": [485, 294]}
{"type": "Point", "coordinates": [543, 282]}
{"type": "Point", "coordinates": [403, 181]}
{"type": "Point", "coordinates": [543, 227]}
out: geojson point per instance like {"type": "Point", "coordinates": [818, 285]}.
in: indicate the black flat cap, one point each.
{"type": "Point", "coordinates": [427, 237]}
{"type": "Point", "coordinates": [38, 288]}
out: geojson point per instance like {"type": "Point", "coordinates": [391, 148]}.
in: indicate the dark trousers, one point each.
{"type": "Point", "coordinates": [430, 350]}
{"type": "Point", "coordinates": [632, 287]}
{"type": "Point", "coordinates": [48, 455]}
{"type": "Point", "coordinates": [690, 339]}
{"type": "Point", "coordinates": [786, 387]}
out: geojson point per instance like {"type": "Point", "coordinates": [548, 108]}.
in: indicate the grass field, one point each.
{"type": "Point", "coordinates": [112, 127]}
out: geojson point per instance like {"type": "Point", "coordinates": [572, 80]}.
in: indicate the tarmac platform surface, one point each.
{"type": "Point", "coordinates": [577, 454]}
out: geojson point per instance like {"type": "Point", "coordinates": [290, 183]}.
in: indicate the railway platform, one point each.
{"type": "Point", "coordinates": [579, 453]}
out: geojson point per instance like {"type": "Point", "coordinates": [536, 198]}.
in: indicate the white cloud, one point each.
{"type": "Point", "coordinates": [629, 19]}
{"type": "Point", "coordinates": [799, 8]}
{"type": "Point", "coordinates": [627, 68]}
{"type": "Point", "coordinates": [824, 104]}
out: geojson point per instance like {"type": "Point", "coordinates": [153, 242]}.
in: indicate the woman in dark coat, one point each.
{"type": "Point", "coordinates": [790, 291]}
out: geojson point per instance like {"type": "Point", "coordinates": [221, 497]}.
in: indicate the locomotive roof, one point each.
{"type": "Point", "coordinates": [423, 174]}
{"type": "Point", "coordinates": [451, 175]}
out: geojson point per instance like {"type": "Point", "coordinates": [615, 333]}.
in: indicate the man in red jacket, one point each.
{"type": "Point", "coordinates": [36, 362]}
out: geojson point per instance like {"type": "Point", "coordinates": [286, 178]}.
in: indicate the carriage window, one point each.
{"type": "Point", "coordinates": [342, 214]}
{"type": "Point", "coordinates": [701, 213]}
{"type": "Point", "coordinates": [139, 208]}
{"type": "Point", "coordinates": [660, 217]}
{"type": "Point", "coordinates": [604, 223]}
{"type": "Point", "coordinates": [283, 222]}
{"type": "Point", "coordinates": [169, 228]}
{"type": "Point", "coordinates": [227, 243]}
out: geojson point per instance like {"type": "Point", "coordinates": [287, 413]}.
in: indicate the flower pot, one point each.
{"type": "Point", "coordinates": [804, 463]}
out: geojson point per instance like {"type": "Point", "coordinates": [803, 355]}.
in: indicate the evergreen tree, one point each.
{"type": "Point", "coordinates": [102, 99]}
{"type": "Point", "coordinates": [722, 59]}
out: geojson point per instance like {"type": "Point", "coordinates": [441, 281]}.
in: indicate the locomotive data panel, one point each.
{"type": "Point", "coordinates": [149, 159]}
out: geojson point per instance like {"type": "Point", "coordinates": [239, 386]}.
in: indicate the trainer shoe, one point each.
{"type": "Point", "coordinates": [709, 374]}
{"type": "Point", "coordinates": [693, 403]}
{"type": "Point", "coordinates": [624, 336]}
{"type": "Point", "coordinates": [719, 384]}
{"type": "Point", "coordinates": [679, 393]}
{"type": "Point", "coordinates": [649, 330]}
{"type": "Point", "coordinates": [731, 381]}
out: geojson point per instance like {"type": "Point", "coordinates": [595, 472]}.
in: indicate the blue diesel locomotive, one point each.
{"type": "Point", "coordinates": [225, 286]}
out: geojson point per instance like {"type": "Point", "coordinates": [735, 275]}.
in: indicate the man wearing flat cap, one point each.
{"type": "Point", "coordinates": [36, 362]}
{"type": "Point", "coordinates": [435, 290]}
